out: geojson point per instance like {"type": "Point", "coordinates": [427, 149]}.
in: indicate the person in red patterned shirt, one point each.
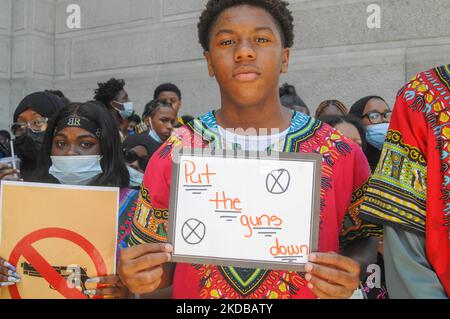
{"type": "Point", "coordinates": [246, 46]}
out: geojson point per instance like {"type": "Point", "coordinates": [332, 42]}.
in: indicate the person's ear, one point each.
{"type": "Point", "coordinates": [114, 104]}
{"type": "Point", "coordinates": [285, 55]}
{"type": "Point", "coordinates": [207, 56]}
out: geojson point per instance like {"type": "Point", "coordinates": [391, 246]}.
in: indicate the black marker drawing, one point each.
{"type": "Point", "coordinates": [290, 259]}
{"type": "Point", "coordinates": [193, 231]}
{"type": "Point", "coordinates": [229, 218]}
{"type": "Point", "coordinates": [278, 182]}
{"type": "Point", "coordinates": [228, 211]}
{"type": "Point", "coordinates": [196, 189]}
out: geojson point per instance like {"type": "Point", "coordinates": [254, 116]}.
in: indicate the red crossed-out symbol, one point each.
{"type": "Point", "coordinates": [24, 248]}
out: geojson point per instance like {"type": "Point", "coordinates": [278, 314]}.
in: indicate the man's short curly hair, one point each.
{"type": "Point", "coordinates": [108, 91]}
{"type": "Point", "coordinates": [277, 8]}
{"type": "Point", "coordinates": [167, 87]}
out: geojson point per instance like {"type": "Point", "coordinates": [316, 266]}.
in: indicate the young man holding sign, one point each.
{"type": "Point", "coordinates": [246, 46]}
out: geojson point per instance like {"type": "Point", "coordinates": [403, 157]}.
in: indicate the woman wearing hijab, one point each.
{"type": "Point", "coordinates": [82, 147]}
{"type": "Point", "coordinates": [375, 114]}
{"type": "Point", "coordinates": [30, 123]}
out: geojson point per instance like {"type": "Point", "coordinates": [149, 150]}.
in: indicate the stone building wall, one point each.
{"type": "Point", "coordinates": [148, 42]}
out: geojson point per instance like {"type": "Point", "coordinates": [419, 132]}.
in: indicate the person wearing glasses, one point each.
{"type": "Point", "coordinates": [137, 150]}
{"type": "Point", "coordinates": [375, 114]}
{"type": "Point", "coordinates": [30, 123]}
{"type": "Point", "coordinates": [409, 193]}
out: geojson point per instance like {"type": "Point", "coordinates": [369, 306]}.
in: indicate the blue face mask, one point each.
{"type": "Point", "coordinates": [128, 109]}
{"type": "Point", "coordinates": [155, 136]}
{"type": "Point", "coordinates": [136, 177]}
{"type": "Point", "coordinates": [376, 135]}
{"type": "Point", "coordinates": [75, 170]}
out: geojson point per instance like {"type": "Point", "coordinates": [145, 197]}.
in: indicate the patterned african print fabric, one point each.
{"type": "Point", "coordinates": [127, 208]}
{"type": "Point", "coordinates": [411, 185]}
{"type": "Point", "coordinates": [345, 172]}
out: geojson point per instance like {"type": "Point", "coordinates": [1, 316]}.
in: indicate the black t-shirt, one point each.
{"type": "Point", "coordinates": [373, 156]}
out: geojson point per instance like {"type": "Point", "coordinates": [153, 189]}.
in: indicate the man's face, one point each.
{"type": "Point", "coordinates": [122, 97]}
{"type": "Point", "coordinates": [132, 125]}
{"type": "Point", "coordinates": [172, 98]}
{"type": "Point", "coordinates": [163, 122]}
{"type": "Point", "coordinates": [246, 54]}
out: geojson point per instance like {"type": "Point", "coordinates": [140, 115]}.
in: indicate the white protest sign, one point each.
{"type": "Point", "coordinates": [245, 210]}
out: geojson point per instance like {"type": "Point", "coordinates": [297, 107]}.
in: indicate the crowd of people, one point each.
{"type": "Point", "coordinates": [385, 195]}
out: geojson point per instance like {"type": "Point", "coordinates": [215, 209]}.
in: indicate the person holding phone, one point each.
{"type": "Point", "coordinates": [29, 125]}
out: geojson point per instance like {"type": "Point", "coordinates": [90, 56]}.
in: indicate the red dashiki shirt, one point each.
{"type": "Point", "coordinates": [410, 188]}
{"type": "Point", "coordinates": [344, 177]}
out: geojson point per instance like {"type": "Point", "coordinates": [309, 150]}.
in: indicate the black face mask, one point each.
{"type": "Point", "coordinates": [29, 145]}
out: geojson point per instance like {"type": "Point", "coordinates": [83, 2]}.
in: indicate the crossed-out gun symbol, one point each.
{"type": "Point", "coordinates": [77, 273]}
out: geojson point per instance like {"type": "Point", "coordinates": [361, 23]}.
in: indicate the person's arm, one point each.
{"type": "Point", "coordinates": [408, 272]}
{"type": "Point", "coordinates": [144, 267]}
{"type": "Point", "coordinates": [359, 240]}
{"type": "Point", "coordinates": [6, 170]}
{"type": "Point", "coordinates": [334, 276]}
{"type": "Point", "coordinates": [163, 291]}
{"type": "Point", "coordinates": [363, 251]}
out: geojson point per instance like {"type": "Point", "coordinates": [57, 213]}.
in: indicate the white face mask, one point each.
{"type": "Point", "coordinates": [136, 177]}
{"type": "Point", "coordinates": [76, 170]}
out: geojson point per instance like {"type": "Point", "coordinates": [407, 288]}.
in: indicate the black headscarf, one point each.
{"type": "Point", "coordinates": [43, 103]}
{"type": "Point", "coordinates": [28, 146]}
{"type": "Point", "coordinates": [359, 107]}
{"type": "Point", "coordinates": [373, 155]}
{"type": "Point", "coordinates": [140, 140]}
